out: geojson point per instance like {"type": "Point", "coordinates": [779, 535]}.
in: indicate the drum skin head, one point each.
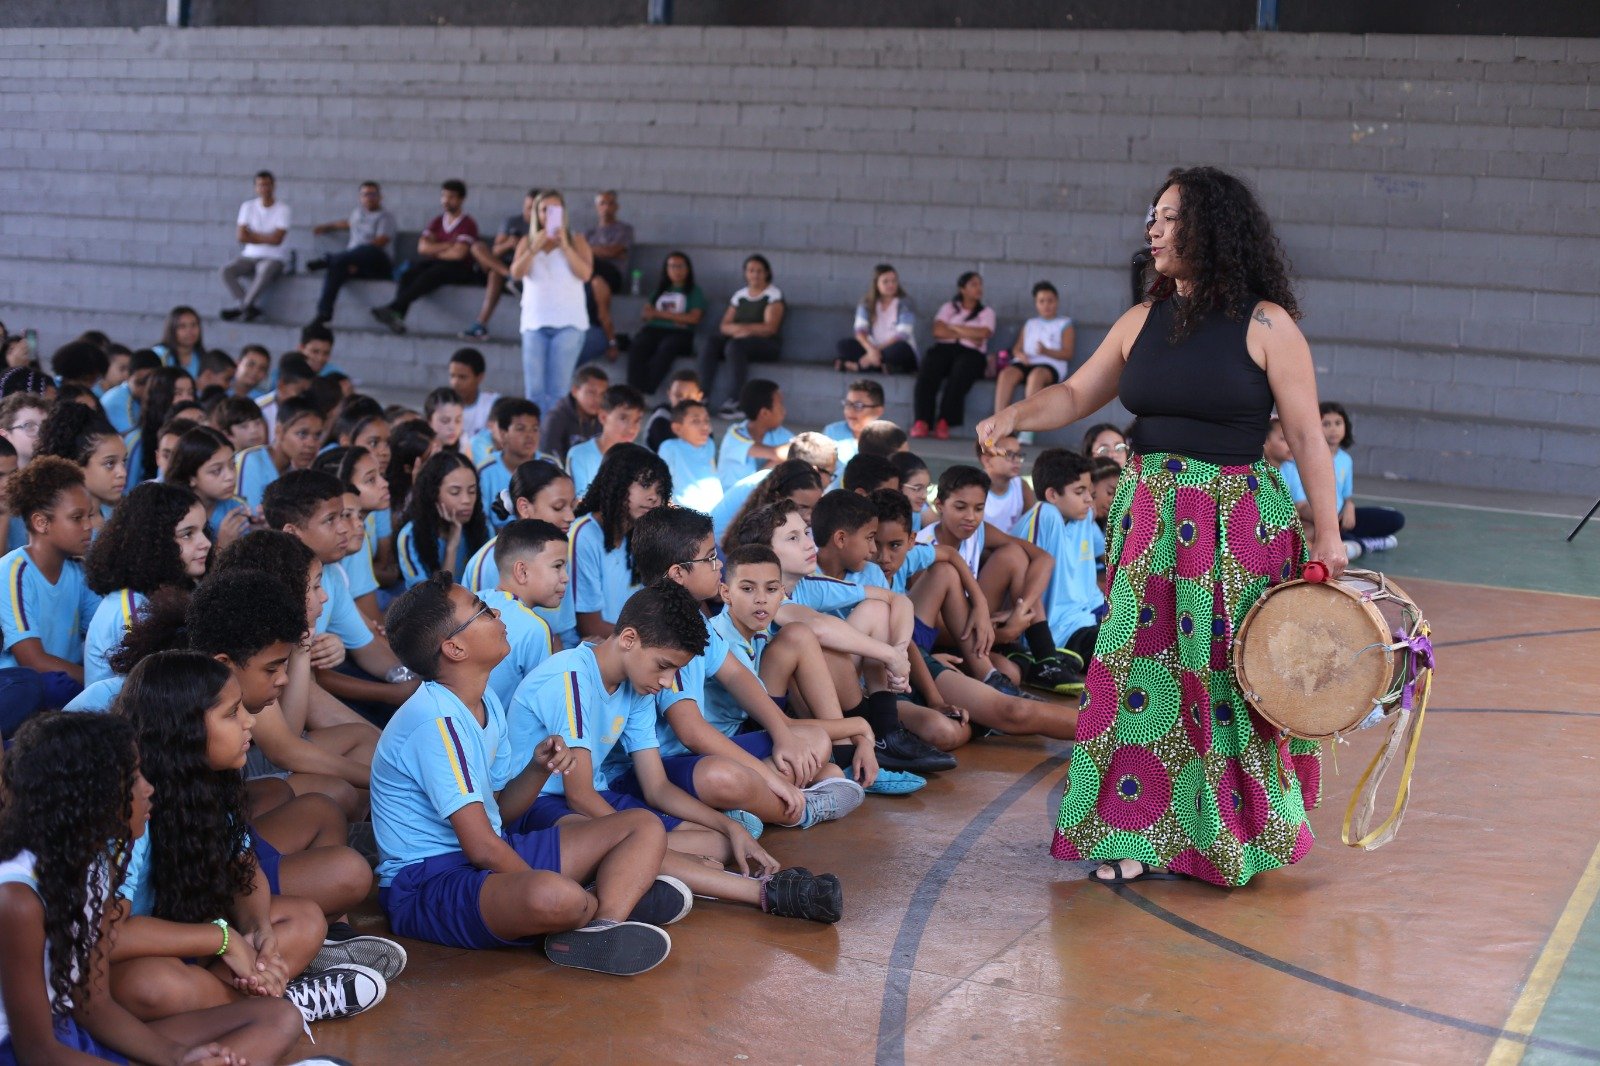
{"type": "Point", "coordinates": [1300, 662]}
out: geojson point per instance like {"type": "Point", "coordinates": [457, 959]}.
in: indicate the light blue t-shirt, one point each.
{"type": "Point", "coordinates": [222, 510]}
{"type": "Point", "coordinates": [1291, 481]}
{"type": "Point", "coordinates": [133, 440]}
{"type": "Point", "coordinates": [583, 463]}
{"type": "Point", "coordinates": [1072, 599]}
{"type": "Point", "coordinates": [694, 474]}
{"type": "Point", "coordinates": [357, 567]}
{"type": "Point", "coordinates": [57, 615]}
{"type": "Point", "coordinates": [340, 615]}
{"type": "Point", "coordinates": [918, 558]}
{"type": "Point", "coordinates": [1344, 479]}
{"type": "Point", "coordinates": [136, 886]}
{"type": "Point", "coordinates": [826, 595]}
{"type": "Point", "coordinates": [16, 534]}
{"type": "Point", "coordinates": [494, 477]}
{"type": "Point", "coordinates": [481, 446]}
{"type": "Point", "coordinates": [111, 622]}
{"type": "Point", "coordinates": [432, 760]}
{"type": "Point", "coordinates": [733, 460]}
{"type": "Point", "coordinates": [255, 470]}
{"type": "Point", "coordinates": [98, 696]}
{"type": "Point", "coordinates": [688, 684]}
{"type": "Point", "coordinates": [718, 706]}
{"type": "Point", "coordinates": [483, 575]}
{"type": "Point", "coordinates": [529, 637]}
{"type": "Point", "coordinates": [412, 571]}
{"type": "Point", "coordinates": [870, 576]}
{"type": "Point", "coordinates": [122, 410]}
{"type": "Point", "coordinates": [838, 431]}
{"type": "Point", "coordinates": [600, 581]}
{"type": "Point", "coordinates": [733, 499]}
{"type": "Point", "coordinates": [566, 697]}
{"type": "Point", "coordinates": [170, 358]}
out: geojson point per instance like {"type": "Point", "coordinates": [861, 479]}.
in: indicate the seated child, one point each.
{"type": "Point", "coordinates": [753, 444]}
{"type": "Point", "coordinates": [710, 757]}
{"type": "Point", "coordinates": [294, 379]}
{"type": "Point", "coordinates": [882, 438]}
{"type": "Point", "coordinates": [460, 865]}
{"type": "Point", "coordinates": [443, 411]}
{"type": "Point", "coordinates": [467, 369]}
{"type": "Point", "coordinates": [577, 417]}
{"type": "Point", "coordinates": [366, 493]}
{"type": "Point", "coordinates": [866, 474]}
{"type": "Point", "coordinates": [444, 519]}
{"type": "Point", "coordinates": [1040, 356]}
{"type": "Point", "coordinates": [530, 559]}
{"type": "Point", "coordinates": [914, 480]}
{"type": "Point", "coordinates": [60, 830]}
{"type": "Point", "coordinates": [539, 489]}
{"type": "Point", "coordinates": [600, 699]}
{"type": "Point", "coordinates": [250, 376]}
{"type": "Point", "coordinates": [518, 423]}
{"type": "Point", "coordinates": [1013, 574]}
{"type": "Point", "coordinates": [200, 859]}
{"type": "Point", "coordinates": [1062, 523]}
{"type": "Point", "coordinates": [681, 385]}
{"type": "Point", "coordinates": [123, 403]}
{"type": "Point", "coordinates": [877, 633]}
{"type": "Point", "coordinates": [1009, 494]}
{"type": "Point", "coordinates": [691, 456]}
{"type": "Point", "coordinates": [203, 462]}
{"type": "Point", "coordinates": [810, 449]}
{"type": "Point", "coordinates": [622, 410]}
{"type": "Point", "coordinates": [1104, 476]}
{"type": "Point", "coordinates": [82, 436]}
{"type": "Point", "coordinates": [296, 436]}
{"type": "Point", "coordinates": [1365, 529]}
{"type": "Point", "coordinates": [632, 482]}
{"type": "Point", "coordinates": [240, 420]}
{"type": "Point", "coordinates": [863, 403]}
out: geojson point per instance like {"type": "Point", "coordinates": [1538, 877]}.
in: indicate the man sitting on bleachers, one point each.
{"type": "Point", "coordinates": [263, 224]}
{"type": "Point", "coordinates": [372, 229]}
{"type": "Point", "coordinates": [444, 257]}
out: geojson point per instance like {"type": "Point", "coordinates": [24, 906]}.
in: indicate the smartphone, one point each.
{"type": "Point", "coordinates": [553, 218]}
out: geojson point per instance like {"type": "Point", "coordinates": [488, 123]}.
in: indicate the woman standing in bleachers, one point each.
{"type": "Point", "coordinates": [553, 263]}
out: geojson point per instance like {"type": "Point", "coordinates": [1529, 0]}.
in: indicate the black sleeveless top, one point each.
{"type": "Point", "coordinates": [1204, 397]}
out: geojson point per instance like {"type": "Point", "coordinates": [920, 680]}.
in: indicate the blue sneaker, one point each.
{"type": "Point", "coordinates": [896, 783]}
{"type": "Point", "coordinates": [830, 799]}
{"type": "Point", "coordinates": [751, 823]}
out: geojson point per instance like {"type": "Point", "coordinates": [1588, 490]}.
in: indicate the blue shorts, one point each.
{"type": "Point", "coordinates": [68, 1034]}
{"type": "Point", "coordinates": [680, 768]}
{"type": "Point", "coordinates": [268, 858]}
{"type": "Point", "coordinates": [437, 899]}
{"type": "Point", "coordinates": [550, 808]}
{"type": "Point", "coordinates": [923, 635]}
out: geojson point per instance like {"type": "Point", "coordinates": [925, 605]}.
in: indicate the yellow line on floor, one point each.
{"type": "Point", "coordinates": [1542, 981]}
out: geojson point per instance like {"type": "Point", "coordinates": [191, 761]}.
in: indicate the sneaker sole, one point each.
{"type": "Point", "coordinates": [751, 823]}
{"type": "Point", "coordinates": [879, 787]}
{"type": "Point", "coordinates": [624, 950]}
{"type": "Point", "coordinates": [847, 796]}
{"type": "Point", "coordinates": [376, 953]}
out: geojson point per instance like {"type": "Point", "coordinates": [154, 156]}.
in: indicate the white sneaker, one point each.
{"type": "Point", "coordinates": [341, 991]}
{"type": "Point", "coordinates": [1352, 550]}
{"type": "Point", "coordinates": [831, 799]}
{"type": "Point", "coordinates": [1379, 544]}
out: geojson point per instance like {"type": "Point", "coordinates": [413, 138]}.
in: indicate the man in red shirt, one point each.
{"type": "Point", "coordinates": [444, 257]}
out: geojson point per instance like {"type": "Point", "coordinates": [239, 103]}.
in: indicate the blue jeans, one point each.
{"type": "Point", "coordinates": [549, 356]}
{"type": "Point", "coordinates": [594, 346]}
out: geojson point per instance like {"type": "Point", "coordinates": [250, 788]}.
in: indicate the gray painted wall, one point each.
{"type": "Point", "coordinates": [1437, 195]}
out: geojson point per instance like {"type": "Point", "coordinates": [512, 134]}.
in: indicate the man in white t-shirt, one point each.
{"type": "Point", "coordinates": [263, 225]}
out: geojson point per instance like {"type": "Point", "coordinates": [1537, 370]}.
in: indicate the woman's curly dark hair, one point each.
{"type": "Point", "coordinates": [759, 527]}
{"type": "Point", "coordinates": [160, 624]}
{"type": "Point", "coordinates": [72, 432]}
{"type": "Point", "coordinates": [66, 795]}
{"type": "Point", "coordinates": [1226, 239]}
{"type": "Point", "coordinates": [422, 511]}
{"type": "Point", "coordinates": [784, 480]}
{"type": "Point", "coordinates": [624, 466]}
{"type": "Point", "coordinates": [408, 442]}
{"type": "Point", "coordinates": [200, 857]}
{"type": "Point", "coordinates": [158, 404]}
{"type": "Point", "coordinates": [138, 548]}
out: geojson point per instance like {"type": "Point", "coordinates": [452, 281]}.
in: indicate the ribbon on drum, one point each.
{"type": "Point", "coordinates": [1406, 730]}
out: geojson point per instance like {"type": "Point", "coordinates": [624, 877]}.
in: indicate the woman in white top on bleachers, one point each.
{"type": "Point", "coordinates": [553, 263]}
{"type": "Point", "coordinates": [748, 334]}
{"type": "Point", "coordinates": [885, 329]}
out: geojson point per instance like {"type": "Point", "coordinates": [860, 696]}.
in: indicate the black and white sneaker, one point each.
{"type": "Point", "coordinates": [621, 948]}
{"type": "Point", "coordinates": [799, 893]}
{"type": "Point", "coordinates": [338, 992]}
{"type": "Point", "coordinates": [1053, 675]}
{"type": "Point", "coordinates": [343, 946]}
{"type": "Point", "coordinates": [666, 901]}
{"type": "Point", "coordinates": [904, 750]}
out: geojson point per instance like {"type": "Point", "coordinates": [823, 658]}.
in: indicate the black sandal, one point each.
{"type": "Point", "coordinates": [1146, 873]}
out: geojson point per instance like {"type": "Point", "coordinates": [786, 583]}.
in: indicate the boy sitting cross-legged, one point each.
{"type": "Point", "coordinates": [704, 743]}
{"type": "Point", "coordinates": [531, 558]}
{"type": "Point", "coordinates": [1063, 524]}
{"type": "Point", "coordinates": [600, 701]}
{"type": "Point", "coordinates": [460, 863]}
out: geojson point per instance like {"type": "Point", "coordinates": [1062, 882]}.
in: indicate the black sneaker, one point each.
{"type": "Point", "coordinates": [343, 946]}
{"type": "Point", "coordinates": [621, 948]}
{"type": "Point", "coordinates": [799, 893]}
{"type": "Point", "coordinates": [1053, 675]}
{"type": "Point", "coordinates": [252, 313]}
{"type": "Point", "coordinates": [1002, 684]}
{"type": "Point", "coordinates": [338, 992]}
{"type": "Point", "coordinates": [904, 750]}
{"type": "Point", "coordinates": [666, 901]}
{"type": "Point", "coordinates": [230, 314]}
{"type": "Point", "coordinates": [388, 316]}
{"type": "Point", "coordinates": [319, 263]}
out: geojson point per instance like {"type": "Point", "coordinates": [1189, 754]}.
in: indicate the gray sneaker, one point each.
{"type": "Point", "coordinates": [830, 799]}
{"type": "Point", "coordinates": [343, 946]}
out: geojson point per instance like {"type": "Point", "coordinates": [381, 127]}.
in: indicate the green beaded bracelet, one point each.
{"type": "Point", "coordinates": [222, 923]}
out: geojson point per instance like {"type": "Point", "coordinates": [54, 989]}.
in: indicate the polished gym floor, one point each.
{"type": "Point", "coordinates": [1471, 938]}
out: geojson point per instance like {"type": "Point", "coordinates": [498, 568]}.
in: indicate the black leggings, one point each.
{"type": "Point", "coordinates": [425, 275]}
{"type": "Point", "coordinates": [1372, 522]}
{"type": "Point", "coordinates": [652, 353]}
{"type": "Point", "coordinates": [898, 358]}
{"type": "Point", "coordinates": [739, 352]}
{"type": "Point", "coordinates": [959, 368]}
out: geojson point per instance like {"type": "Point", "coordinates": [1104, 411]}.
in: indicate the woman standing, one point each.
{"type": "Point", "coordinates": [748, 334]}
{"type": "Point", "coordinates": [1172, 772]}
{"type": "Point", "coordinates": [553, 264]}
{"type": "Point", "coordinates": [962, 328]}
{"type": "Point", "coordinates": [885, 329]}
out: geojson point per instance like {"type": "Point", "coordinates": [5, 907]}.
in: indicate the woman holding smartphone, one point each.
{"type": "Point", "coordinates": [554, 264]}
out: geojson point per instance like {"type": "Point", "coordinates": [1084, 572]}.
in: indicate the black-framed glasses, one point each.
{"type": "Point", "coordinates": [483, 608]}
{"type": "Point", "coordinates": [858, 406]}
{"type": "Point", "coordinates": [709, 560]}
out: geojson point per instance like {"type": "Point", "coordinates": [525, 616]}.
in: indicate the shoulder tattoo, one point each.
{"type": "Point", "coordinates": [1261, 317]}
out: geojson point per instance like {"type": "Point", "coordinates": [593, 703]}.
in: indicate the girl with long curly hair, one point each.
{"type": "Point", "coordinates": [201, 883]}
{"type": "Point", "coordinates": [82, 435]}
{"type": "Point", "coordinates": [74, 803]}
{"type": "Point", "coordinates": [539, 489]}
{"type": "Point", "coordinates": [444, 519]}
{"type": "Point", "coordinates": [47, 606]}
{"type": "Point", "coordinates": [156, 539]}
{"type": "Point", "coordinates": [631, 481]}
{"type": "Point", "coordinates": [1189, 782]}
{"type": "Point", "coordinates": [792, 479]}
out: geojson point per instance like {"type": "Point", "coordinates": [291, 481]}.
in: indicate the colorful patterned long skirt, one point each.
{"type": "Point", "coordinates": [1171, 767]}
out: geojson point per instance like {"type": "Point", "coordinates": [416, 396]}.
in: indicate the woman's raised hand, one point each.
{"type": "Point", "coordinates": [1000, 426]}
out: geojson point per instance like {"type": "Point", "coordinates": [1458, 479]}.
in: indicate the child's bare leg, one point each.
{"type": "Point", "coordinates": [704, 878]}
{"type": "Point", "coordinates": [1001, 580]}
{"type": "Point", "coordinates": [257, 1029]}
{"type": "Point", "coordinates": [159, 987]}
{"type": "Point", "coordinates": [1005, 386]}
{"type": "Point", "coordinates": [1009, 714]}
{"type": "Point", "coordinates": [726, 785]}
{"type": "Point", "coordinates": [310, 832]}
{"type": "Point", "coordinates": [938, 729]}
{"type": "Point", "coordinates": [1040, 377]}
{"type": "Point", "coordinates": [941, 593]}
{"type": "Point", "coordinates": [621, 853]}
{"type": "Point", "coordinates": [266, 793]}
{"type": "Point", "coordinates": [351, 801]}
{"type": "Point", "coordinates": [872, 618]}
